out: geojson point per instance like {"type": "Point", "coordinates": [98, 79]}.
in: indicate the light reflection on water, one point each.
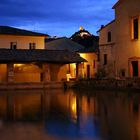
{"type": "Point", "coordinates": [66, 115]}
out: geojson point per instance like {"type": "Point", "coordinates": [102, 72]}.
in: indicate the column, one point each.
{"type": "Point", "coordinates": [10, 73]}
{"type": "Point", "coordinates": [46, 73]}
{"type": "Point", "coordinates": [78, 70]}
{"type": "Point", "coordinates": [130, 69]}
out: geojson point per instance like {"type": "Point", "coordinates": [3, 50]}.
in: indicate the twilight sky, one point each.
{"type": "Point", "coordinates": [56, 17]}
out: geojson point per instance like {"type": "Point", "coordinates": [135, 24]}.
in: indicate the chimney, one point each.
{"type": "Point", "coordinates": [102, 26]}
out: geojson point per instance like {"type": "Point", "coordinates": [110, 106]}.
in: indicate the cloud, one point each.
{"type": "Point", "coordinates": [56, 16]}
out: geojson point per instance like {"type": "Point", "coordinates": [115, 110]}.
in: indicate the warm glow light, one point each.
{"type": "Point", "coordinates": [73, 70]}
{"type": "Point", "coordinates": [83, 55]}
{"type": "Point", "coordinates": [73, 65]}
{"type": "Point", "coordinates": [68, 77]}
{"type": "Point", "coordinates": [73, 108]}
{"type": "Point", "coordinates": [18, 65]}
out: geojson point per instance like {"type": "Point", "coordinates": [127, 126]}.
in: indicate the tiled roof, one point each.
{"type": "Point", "coordinates": [92, 49]}
{"type": "Point", "coordinates": [63, 44]}
{"type": "Point", "coordinates": [116, 4]}
{"type": "Point", "coordinates": [6, 30]}
{"type": "Point", "coordinates": [38, 55]}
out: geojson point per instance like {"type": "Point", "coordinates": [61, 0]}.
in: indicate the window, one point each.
{"type": "Point", "coordinates": [105, 59]}
{"type": "Point", "coordinates": [109, 37]}
{"type": "Point", "coordinates": [32, 46]}
{"type": "Point", "coordinates": [13, 45]}
{"type": "Point", "coordinates": [41, 77]}
{"type": "Point", "coordinates": [123, 73]}
{"type": "Point", "coordinates": [135, 28]}
{"type": "Point", "coordinates": [135, 68]}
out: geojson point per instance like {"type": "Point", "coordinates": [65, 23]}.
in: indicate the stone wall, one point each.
{"type": "Point", "coordinates": [123, 84]}
{"type": "Point", "coordinates": [126, 84]}
{"type": "Point", "coordinates": [46, 85]}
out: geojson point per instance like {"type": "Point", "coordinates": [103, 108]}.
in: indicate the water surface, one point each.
{"type": "Point", "coordinates": [69, 115]}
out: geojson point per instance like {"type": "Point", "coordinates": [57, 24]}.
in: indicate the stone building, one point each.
{"type": "Point", "coordinates": [119, 41]}
{"type": "Point", "coordinates": [89, 52]}
{"type": "Point", "coordinates": [24, 59]}
{"type": "Point", "coordinates": [87, 69]}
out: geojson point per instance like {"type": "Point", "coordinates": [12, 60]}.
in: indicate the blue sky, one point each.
{"type": "Point", "coordinates": [56, 17]}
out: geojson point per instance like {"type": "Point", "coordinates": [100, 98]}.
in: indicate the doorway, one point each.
{"type": "Point", "coordinates": [134, 68]}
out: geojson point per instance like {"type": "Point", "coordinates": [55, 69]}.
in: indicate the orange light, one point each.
{"type": "Point", "coordinates": [68, 77]}
{"type": "Point", "coordinates": [73, 65]}
{"type": "Point", "coordinates": [83, 55]}
{"type": "Point", "coordinates": [74, 108]}
{"type": "Point", "coordinates": [18, 65]}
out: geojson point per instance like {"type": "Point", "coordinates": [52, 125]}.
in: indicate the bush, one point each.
{"type": "Point", "coordinates": [100, 74]}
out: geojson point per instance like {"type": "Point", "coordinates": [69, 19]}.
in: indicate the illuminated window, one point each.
{"type": "Point", "coordinates": [13, 45]}
{"type": "Point", "coordinates": [105, 59]}
{"type": "Point", "coordinates": [109, 37]}
{"type": "Point", "coordinates": [32, 46]}
{"type": "Point", "coordinates": [135, 28]}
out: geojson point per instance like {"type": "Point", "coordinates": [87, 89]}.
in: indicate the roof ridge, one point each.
{"type": "Point", "coordinates": [8, 30]}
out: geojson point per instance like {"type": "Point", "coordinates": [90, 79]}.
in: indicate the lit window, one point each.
{"type": "Point", "coordinates": [32, 46]}
{"type": "Point", "coordinates": [13, 45]}
{"type": "Point", "coordinates": [109, 37]}
{"type": "Point", "coordinates": [135, 28]}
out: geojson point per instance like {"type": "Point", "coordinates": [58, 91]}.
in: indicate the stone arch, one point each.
{"type": "Point", "coordinates": [27, 73]}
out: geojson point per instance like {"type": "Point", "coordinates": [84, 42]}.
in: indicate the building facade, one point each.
{"type": "Point", "coordinates": [12, 39]}
{"type": "Point", "coordinates": [23, 57]}
{"type": "Point", "coordinates": [84, 70]}
{"type": "Point", "coordinates": [119, 41]}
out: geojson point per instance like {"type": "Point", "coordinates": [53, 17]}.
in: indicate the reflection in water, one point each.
{"type": "Point", "coordinates": [58, 114]}
{"type": "Point", "coordinates": [71, 116]}
{"type": "Point", "coordinates": [73, 107]}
